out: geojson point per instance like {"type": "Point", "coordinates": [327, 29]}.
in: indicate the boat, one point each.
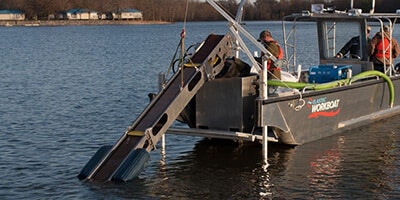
{"type": "Point", "coordinates": [219, 94]}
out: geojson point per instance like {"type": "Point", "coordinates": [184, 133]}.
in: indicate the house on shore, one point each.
{"type": "Point", "coordinates": [78, 14]}
{"type": "Point", "coordinates": [12, 15]}
{"type": "Point", "coordinates": [128, 14]}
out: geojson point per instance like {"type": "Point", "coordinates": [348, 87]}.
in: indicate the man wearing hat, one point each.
{"type": "Point", "coordinates": [381, 46]}
{"type": "Point", "coordinates": [273, 47]}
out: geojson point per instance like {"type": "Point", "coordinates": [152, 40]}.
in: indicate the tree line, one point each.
{"type": "Point", "coordinates": [198, 10]}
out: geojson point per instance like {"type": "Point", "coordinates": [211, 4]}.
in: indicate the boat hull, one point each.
{"type": "Point", "coordinates": [318, 114]}
{"type": "Point", "coordinates": [295, 119]}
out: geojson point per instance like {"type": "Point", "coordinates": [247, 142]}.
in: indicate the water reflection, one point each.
{"type": "Point", "coordinates": [325, 169]}
{"type": "Point", "coordinates": [218, 169]}
{"type": "Point", "coordinates": [349, 165]}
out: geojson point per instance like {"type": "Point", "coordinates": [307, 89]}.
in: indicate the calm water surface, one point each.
{"type": "Point", "coordinates": [66, 91]}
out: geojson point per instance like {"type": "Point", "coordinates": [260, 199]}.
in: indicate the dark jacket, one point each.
{"type": "Point", "coordinates": [352, 46]}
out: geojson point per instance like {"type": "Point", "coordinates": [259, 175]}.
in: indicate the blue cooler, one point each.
{"type": "Point", "coordinates": [328, 73]}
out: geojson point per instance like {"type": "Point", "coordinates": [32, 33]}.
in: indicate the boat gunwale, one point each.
{"type": "Point", "coordinates": [326, 91]}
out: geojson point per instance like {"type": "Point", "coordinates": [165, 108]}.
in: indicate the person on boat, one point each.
{"type": "Point", "coordinates": [378, 44]}
{"type": "Point", "coordinates": [272, 46]}
{"type": "Point", "coordinates": [353, 46]}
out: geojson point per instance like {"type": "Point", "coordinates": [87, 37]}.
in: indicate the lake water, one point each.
{"type": "Point", "coordinates": [66, 91]}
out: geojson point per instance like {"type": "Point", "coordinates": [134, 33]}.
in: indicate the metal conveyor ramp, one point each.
{"type": "Point", "coordinates": [126, 159]}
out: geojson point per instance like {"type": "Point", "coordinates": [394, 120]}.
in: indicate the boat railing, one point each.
{"type": "Point", "coordinates": [330, 41]}
{"type": "Point", "coordinates": [289, 28]}
{"type": "Point", "coordinates": [382, 21]}
{"type": "Point", "coordinates": [290, 24]}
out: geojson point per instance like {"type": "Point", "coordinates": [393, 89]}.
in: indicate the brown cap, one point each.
{"type": "Point", "coordinates": [265, 33]}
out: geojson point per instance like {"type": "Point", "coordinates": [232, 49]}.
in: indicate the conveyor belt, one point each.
{"type": "Point", "coordinates": [155, 120]}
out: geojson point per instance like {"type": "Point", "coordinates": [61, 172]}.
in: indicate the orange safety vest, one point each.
{"type": "Point", "coordinates": [380, 49]}
{"type": "Point", "coordinates": [280, 56]}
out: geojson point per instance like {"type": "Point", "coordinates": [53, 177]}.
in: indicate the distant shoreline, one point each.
{"type": "Point", "coordinates": [76, 22]}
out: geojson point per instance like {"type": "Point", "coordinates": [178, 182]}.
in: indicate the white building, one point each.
{"type": "Point", "coordinates": [128, 14]}
{"type": "Point", "coordinates": [80, 14]}
{"type": "Point", "coordinates": [12, 15]}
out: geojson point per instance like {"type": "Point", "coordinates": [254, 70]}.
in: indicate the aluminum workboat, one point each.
{"type": "Point", "coordinates": [218, 94]}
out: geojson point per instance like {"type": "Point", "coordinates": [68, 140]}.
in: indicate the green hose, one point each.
{"type": "Point", "coordinates": [337, 83]}
{"type": "Point", "coordinates": [384, 76]}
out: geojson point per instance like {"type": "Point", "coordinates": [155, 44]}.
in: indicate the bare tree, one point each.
{"type": "Point", "coordinates": [61, 5]}
{"type": "Point", "coordinates": [199, 10]}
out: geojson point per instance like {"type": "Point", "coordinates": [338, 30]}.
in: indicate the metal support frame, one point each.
{"type": "Point", "coordinates": [236, 27]}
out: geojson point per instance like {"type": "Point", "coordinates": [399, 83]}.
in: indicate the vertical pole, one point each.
{"type": "Point", "coordinates": [298, 73]}
{"type": "Point", "coordinates": [161, 83]}
{"type": "Point", "coordinates": [372, 8]}
{"type": "Point", "coordinates": [163, 144]}
{"type": "Point", "coordinates": [238, 18]}
{"type": "Point", "coordinates": [264, 96]}
{"type": "Point", "coordinates": [183, 34]}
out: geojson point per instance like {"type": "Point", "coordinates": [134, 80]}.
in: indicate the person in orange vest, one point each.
{"type": "Point", "coordinates": [272, 46]}
{"type": "Point", "coordinates": [380, 56]}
